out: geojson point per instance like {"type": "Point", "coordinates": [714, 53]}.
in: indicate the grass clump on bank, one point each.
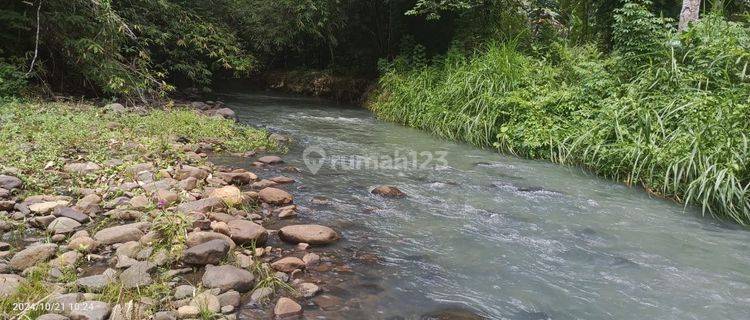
{"type": "Point", "coordinates": [665, 110]}
{"type": "Point", "coordinates": [37, 139]}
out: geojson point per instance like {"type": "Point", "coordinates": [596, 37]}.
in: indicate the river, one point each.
{"type": "Point", "coordinates": [494, 235]}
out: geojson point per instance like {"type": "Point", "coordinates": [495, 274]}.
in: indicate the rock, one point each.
{"type": "Point", "coordinates": [458, 313]}
{"type": "Point", "coordinates": [9, 182]}
{"type": "Point", "coordinates": [308, 233]}
{"type": "Point", "coordinates": [4, 193]}
{"type": "Point", "coordinates": [244, 231]}
{"type": "Point", "coordinates": [42, 222]}
{"type": "Point", "coordinates": [184, 291]}
{"type": "Point", "coordinates": [47, 207]}
{"type": "Point", "coordinates": [128, 311]}
{"type": "Point", "coordinates": [186, 171]}
{"type": "Point", "coordinates": [165, 197]}
{"type": "Point", "coordinates": [242, 260]}
{"type": "Point", "coordinates": [275, 196]}
{"type": "Point", "coordinates": [328, 302]}
{"type": "Point", "coordinates": [261, 294]}
{"type": "Point", "coordinates": [32, 256]}
{"type": "Point", "coordinates": [206, 301]}
{"type": "Point", "coordinates": [125, 262]}
{"type": "Point", "coordinates": [65, 260]}
{"type": "Point", "coordinates": [288, 264]}
{"type": "Point", "coordinates": [71, 213]}
{"type": "Point", "coordinates": [83, 244]}
{"type": "Point", "coordinates": [220, 227]}
{"type": "Point", "coordinates": [140, 202]}
{"type": "Point", "coordinates": [202, 205]}
{"type": "Point", "coordinates": [9, 284]}
{"type": "Point", "coordinates": [7, 205]}
{"type": "Point", "coordinates": [230, 298]}
{"type": "Point", "coordinates": [196, 238]}
{"type": "Point", "coordinates": [187, 312]}
{"type": "Point", "coordinates": [243, 177]}
{"type": "Point", "coordinates": [282, 179]}
{"type": "Point", "coordinates": [263, 184]}
{"type": "Point", "coordinates": [89, 204]}
{"type": "Point", "coordinates": [278, 137]}
{"type": "Point", "coordinates": [165, 184]}
{"type": "Point", "coordinates": [137, 275]}
{"type": "Point", "coordinates": [227, 309]}
{"type": "Point", "coordinates": [97, 282]}
{"type": "Point", "coordinates": [228, 277]}
{"type": "Point", "coordinates": [165, 315]}
{"type": "Point", "coordinates": [119, 234]}
{"type": "Point", "coordinates": [90, 310]}
{"type": "Point", "coordinates": [62, 225]}
{"type": "Point", "coordinates": [310, 259]}
{"type": "Point", "coordinates": [210, 252]}
{"type": "Point", "coordinates": [188, 183]}
{"type": "Point", "coordinates": [225, 113]}
{"type": "Point", "coordinates": [138, 168]}
{"type": "Point", "coordinates": [115, 108]}
{"type": "Point", "coordinates": [82, 168]}
{"type": "Point", "coordinates": [388, 191]}
{"type": "Point", "coordinates": [308, 290]}
{"type": "Point", "coordinates": [270, 159]}
{"type": "Point", "coordinates": [287, 309]}
{"type": "Point", "coordinates": [231, 195]}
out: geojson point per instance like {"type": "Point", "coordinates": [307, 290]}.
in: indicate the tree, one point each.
{"type": "Point", "coordinates": [689, 13]}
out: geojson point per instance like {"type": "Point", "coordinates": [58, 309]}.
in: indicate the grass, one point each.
{"type": "Point", "coordinates": [28, 301]}
{"type": "Point", "coordinates": [173, 228]}
{"type": "Point", "coordinates": [672, 118]}
{"type": "Point", "coordinates": [37, 138]}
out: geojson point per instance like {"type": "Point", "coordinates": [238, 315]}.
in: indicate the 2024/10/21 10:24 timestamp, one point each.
{"type": "Point", "coordinates": [52, 306]}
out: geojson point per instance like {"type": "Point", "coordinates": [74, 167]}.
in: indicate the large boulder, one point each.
{"type": "Point", "coordinates": [228, 277]}
{"type": "Point", "coordinates": [275, 196]}
{"type": "Point", "coordinates": [119, 234]}
{"type": "Point", "coordinates": [210, 252]}
{"type": "Point", "coordinates": [244, 231]}
{"type": "Point", "coordinates": [308, 233]}
{"type": "Point", "coordinates": [32, 255]}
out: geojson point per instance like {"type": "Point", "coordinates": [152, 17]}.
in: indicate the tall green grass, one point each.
{"type": "Point", "coordinates": [670, 113]}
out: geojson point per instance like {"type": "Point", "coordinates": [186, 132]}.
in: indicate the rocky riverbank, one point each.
{"type": "Point", "coordinates": [162, 234]}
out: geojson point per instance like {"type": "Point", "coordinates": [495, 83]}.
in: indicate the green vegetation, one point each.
{"type": "Point", "coordinates": [666, 110]}
{"type": "Point", "coordinates": [35, 138]}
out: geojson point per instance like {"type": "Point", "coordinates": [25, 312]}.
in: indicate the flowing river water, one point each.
{"type": "Point", "coordinates": [497, 236]}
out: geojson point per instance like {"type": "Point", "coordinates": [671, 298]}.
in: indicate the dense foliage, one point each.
{"type": "Point", "coordinates": [668, 111]}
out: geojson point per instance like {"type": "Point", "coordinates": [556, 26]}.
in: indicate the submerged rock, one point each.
{"type": "Point", "coordinates": [388, 191]}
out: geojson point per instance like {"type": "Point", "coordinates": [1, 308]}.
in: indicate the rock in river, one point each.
{"type": "Point", "coordinates": [275, 196]}
{"type": "Point", "coordinates": [308, 233]}
{"type": "Point", "coordinates": [388, 191]}
{"type": "Point", "coordinates": [287, 309]}
{"type": "Point", "coordinates": [288, 264]}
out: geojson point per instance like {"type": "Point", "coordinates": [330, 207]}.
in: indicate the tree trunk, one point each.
{"type": "Point", "coordinates": [689, 13]}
